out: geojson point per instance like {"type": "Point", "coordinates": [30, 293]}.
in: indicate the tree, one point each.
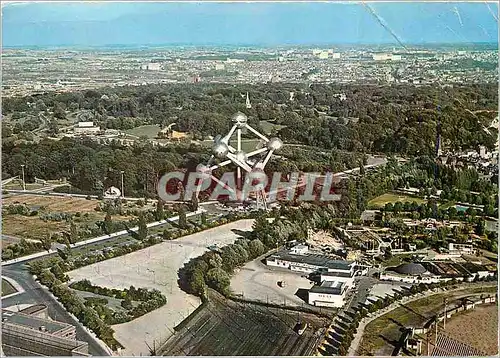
{"type": "Point", "coordinates": [160, 213]}
{"type": "Point", "coordinates": [182, 217]}
{"type": "Point", "coordinates": [73, 233]}
{"type": "Point", "coordinates": [59, 112]}
{"type": "Point", "coordinates": [219, 280]}
{"type": "Point", "coordinates": [204, 218]}
{"type": "Point", "coordinates": [256, 248]}
{"type": "Point", "coordinates": [194, 202]}
{"type": "Point", "coordinates": [166, 235]}
{"type": "Point", "coordinates": [47, 242]}
{"type": "Point", "coordinates": [108, 223]}
{"type": "Point", "coordinates": [142, 232]}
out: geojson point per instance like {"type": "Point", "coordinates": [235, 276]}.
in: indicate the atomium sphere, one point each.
{"type": "Point", "coordinates": [274, 143]}
{"type": "Point", "coordinates": [240, 119]}
{"type": "Point", "coordinates": [204, 171]}
{"type": "Point", "coordinates": [241, 156]}
{"type": "Point", "coordinates": [220, 150]}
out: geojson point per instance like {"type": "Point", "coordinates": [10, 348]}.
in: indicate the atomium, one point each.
{"type": "Point", "coordinates": [240, 120]}
{"type": "Point", "coordinates": [223, 149]}
{"type": "Point", "coordinates": [220, 149]}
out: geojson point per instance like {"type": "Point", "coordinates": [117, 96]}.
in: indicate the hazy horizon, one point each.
{"type": "Point", "coordinates": [135, 24]}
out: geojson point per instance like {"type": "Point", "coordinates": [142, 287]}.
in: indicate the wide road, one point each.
{"type": "Point", "coordinates": [34, 293]}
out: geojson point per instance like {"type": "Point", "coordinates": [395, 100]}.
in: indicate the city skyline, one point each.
{"type": "Point", "coordinates": [260, 24]}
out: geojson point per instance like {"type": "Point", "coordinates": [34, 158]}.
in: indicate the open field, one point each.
{"type": "Point", "coordinates": [149, 130]}
{"type": "Point", "coordinates": [268, 126]}
{"type": "Point", "coordinates": [18, 185]}
{"type": "Point", "coordinates": [482, 334]}
{"type": "Point", "coordinates": [225, 327]}
{"type": "Point", "coordinates": [383, 199]}
{"type": "Point", "coordinates": [382, 334]}
{"type": "Point", "coordinates": [33, 227]}
{"type": "Point", "coordinates": [247, 145]}
{"type": "Point", "coordinates": [157, 267]}
{"type": "Point", "coordinates": [7, 288]}
{"type": "Point", "coordinates": [51, 203]}
{"type": "Point", "coordinates": [257, 282]}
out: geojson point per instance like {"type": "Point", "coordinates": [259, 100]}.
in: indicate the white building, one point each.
{"type": "Point", "coordinates": [219, 67]}
{"type": "Point", "coordinates": [152, 66]}
{"type": "Point", "coordinates": [386, 57]}
{"type": "Point", "coordinates": [328, 294]}
{"type": "Point", "coordinates": [86, 128]}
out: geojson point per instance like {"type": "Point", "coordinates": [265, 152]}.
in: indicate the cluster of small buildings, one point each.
{"type": "Point", "coordinates": [29, 332]}
{"type": "Point", "coordinates": [334, 277]}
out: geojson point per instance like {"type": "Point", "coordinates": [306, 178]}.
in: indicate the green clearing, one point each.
{"type": "Point", "coordinates": [383, 199]}
{"type": "Point", "coordinates": [149, 130]}
{"type": "Point", "coordinates": [16, 185]}
{"type": "Point", "coordinates": [387, 328]}
{"type": "Point", "coordinates": [7, 288]}
{"type": "Point", "coordinates": [247, 145]}
{"type": "Point", "coordinates": [268, 126]}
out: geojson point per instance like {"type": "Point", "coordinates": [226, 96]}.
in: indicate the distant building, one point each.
{"type": "Point", "coordinates": [466, 249]}
{"type": "Point", "coordinates": [29, 335]}
{"type": "Point", "coordinates": [386, 57]}
{"type": "Point", "coordinates": [152, 66]}
{"type": "Point", "coordinates": [219, 67]}
{"type": "Point", "coordinates": [86, 128]}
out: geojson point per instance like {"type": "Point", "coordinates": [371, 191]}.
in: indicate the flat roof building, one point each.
{"type": "Point", "coordinates": [328, 294]}
{"type": "Point", "coordinates": [28, 335]}
{"type": "Point", "coordinates": [306, 261]}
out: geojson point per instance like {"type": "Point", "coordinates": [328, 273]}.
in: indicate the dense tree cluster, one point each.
{"type": "Point", "coordinates": [392, 119]}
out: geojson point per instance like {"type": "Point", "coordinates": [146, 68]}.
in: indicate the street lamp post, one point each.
{"type": "Point", "coordinates": [123, 194]}
{"type": "Point", "coordinates": [24, 183]}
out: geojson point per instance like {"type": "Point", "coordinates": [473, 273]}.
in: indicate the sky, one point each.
{"type": "Point", "coordinates": [267, 24]}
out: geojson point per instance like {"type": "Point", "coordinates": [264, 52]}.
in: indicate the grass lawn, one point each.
{"type": "Point", "coordinates": [149, 130]}
{"type": "Point", "coordinates": [383, 199]}
{"type": "Point", "coordinates": [15, 185]}
{"type": "Point", "coordinates": [7, 288]}
{"type": "Point", "coordinates": [269, 126]}
{"type": "Point", "coordinates": [380, 334]}
{"type": "Point", "coordinates": [247, 145]}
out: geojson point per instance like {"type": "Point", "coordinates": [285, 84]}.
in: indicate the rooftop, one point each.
{"type": "Point", "coordinates": [314, 260]}
{"type": "Point", "coordinates": [330, 287]}
{"type": "Point", "coordinates": [32, 322]}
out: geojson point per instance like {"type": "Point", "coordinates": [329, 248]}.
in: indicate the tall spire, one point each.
{"type": "Point", "coordinates": [249, 105]}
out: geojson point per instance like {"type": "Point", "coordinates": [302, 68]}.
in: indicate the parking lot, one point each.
{"type": "Point", "coordinates": [157, 267]}
{"type": "Point", "coordinates": [256, 281]}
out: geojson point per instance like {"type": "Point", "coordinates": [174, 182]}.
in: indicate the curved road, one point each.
{"type": "Point", "coordinates": [34, 293]}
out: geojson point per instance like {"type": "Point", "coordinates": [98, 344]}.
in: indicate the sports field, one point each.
{"type": "Point", "coordinates": [386, 198]}
{"type": "Point", "coordinates": [157, 267]}
{"type": "Point", "coordinates": [150, 131]}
